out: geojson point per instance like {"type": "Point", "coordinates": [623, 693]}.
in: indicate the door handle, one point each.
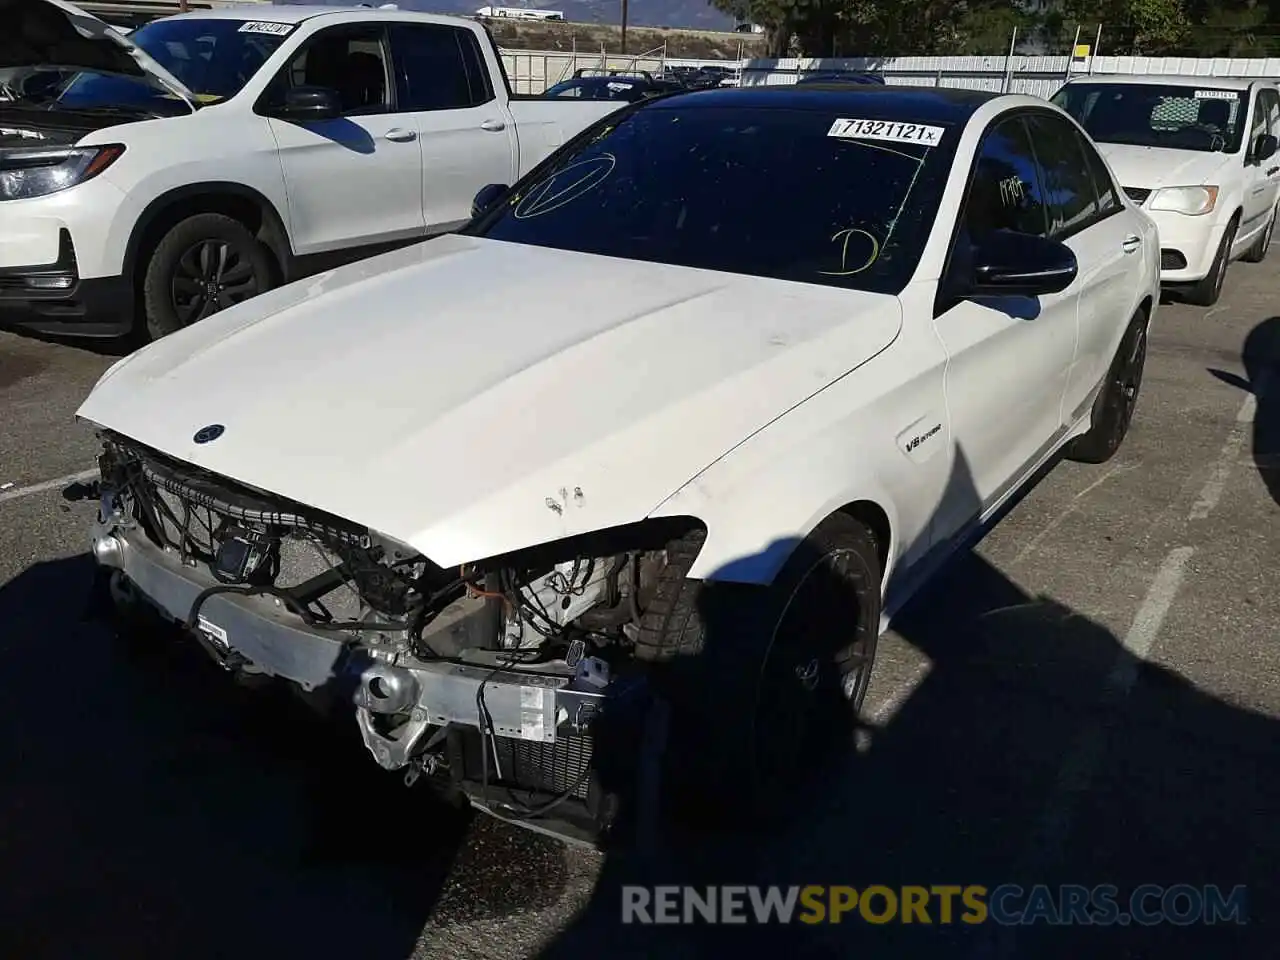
{"type": "Point", "coordinates": [401, 135]}
{"type": "Point", "coordinates": [494, 125]}
{"type": "Point", "coordinates": [1271, 172]}
{"type": "Point", "coordinates": [1131, 244]}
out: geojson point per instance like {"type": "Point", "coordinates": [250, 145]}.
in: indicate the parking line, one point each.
{"type": "Point", "coordinates": [1053, 525]}
{"type": "Point", "coordinates": [886, 710]}
{"type": "Point", "coordinates": [46, 485]}
{"type": "Point", "coordinates": [1045, 844]}
{"type": "Point", "coordinates": [1216, 485]}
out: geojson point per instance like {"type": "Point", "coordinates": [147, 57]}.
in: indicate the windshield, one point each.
{"type": "Point", "coordinates": [598, 89]}
{"type": "Point", "coordinates": [1204, 119]}
{"type": "Point", "coordinates": [213, 58]}
{"type": "Point", "coordinates": [802, 195]}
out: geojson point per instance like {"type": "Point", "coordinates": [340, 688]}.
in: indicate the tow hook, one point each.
{"type": "Point", "coordinates": [419, 766]}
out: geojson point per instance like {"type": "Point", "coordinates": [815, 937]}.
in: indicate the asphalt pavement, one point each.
{"type": "Point", "coordinates": [1090, 697]}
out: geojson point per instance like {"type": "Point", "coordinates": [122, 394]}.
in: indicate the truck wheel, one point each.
{"type": "Point", "coordinates": [1114, 406]}
{"type": "Point", "coordinates": [1258, 252]}
{"type": "Point", "coordinates": [204, 264]}
{"type": "Point", "coordinates": [764, 683]}
{"type": "Point", "coordinates": [1205, 292]}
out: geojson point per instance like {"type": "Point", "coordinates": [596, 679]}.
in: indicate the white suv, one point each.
{"type": "Point", "coordinates": [210, 156]}
{"type": "Point", "coordinates": [1199, 155]}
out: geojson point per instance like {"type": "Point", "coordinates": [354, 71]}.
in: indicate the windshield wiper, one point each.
{"type": "Point", "coordinates": [112, 110]}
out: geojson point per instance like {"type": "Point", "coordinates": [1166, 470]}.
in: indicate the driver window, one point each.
{"type": "Point", "coordinates": [1006, 192]}
{"type": "Point", "coordinates": [351, 61]}
{"type": "Point", "coordinates": [1258, 126]}
{"type": "Point", "coordinates": [1271, 99]}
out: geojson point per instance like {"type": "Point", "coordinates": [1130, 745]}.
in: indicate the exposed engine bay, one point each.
{"type": "Point", "coordinates": [491, 678]}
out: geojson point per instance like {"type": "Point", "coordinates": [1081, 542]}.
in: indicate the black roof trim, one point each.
{"type": "Point", "coordinates": [922, 104]}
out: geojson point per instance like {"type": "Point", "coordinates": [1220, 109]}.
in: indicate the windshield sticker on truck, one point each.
{"type": "Point", "coordinates": [565, 186]}
{"type": "Point", "coordinates": [887, 130]}
{"type": "Point", "coordinates": [618, 87]}
{"type": "Point", "coordinates": [264, 26]}
{"type": "Point", "coordinates": [1215, 95]}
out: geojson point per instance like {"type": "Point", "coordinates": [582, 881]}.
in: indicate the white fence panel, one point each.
{"type": "Point", "coordinates": [532, 71]}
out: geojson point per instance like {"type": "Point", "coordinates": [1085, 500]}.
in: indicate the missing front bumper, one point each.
{"type": "Point", "coordinates": [531, 704]}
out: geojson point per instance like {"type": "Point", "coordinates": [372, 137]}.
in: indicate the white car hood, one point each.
{"type": "Point", "coordinates": [1155, 167]}
{"type": "Point", "coordinates": [470, 397]}
{"type": "Point", "coordinates": [57, 35]}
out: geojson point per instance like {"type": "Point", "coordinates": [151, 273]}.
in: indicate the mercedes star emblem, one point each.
{"type": "Point", "coordinates": [210, 433]}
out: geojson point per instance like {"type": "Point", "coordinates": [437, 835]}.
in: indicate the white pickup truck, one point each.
{"type": "Point", "coordinates": [210, 156]}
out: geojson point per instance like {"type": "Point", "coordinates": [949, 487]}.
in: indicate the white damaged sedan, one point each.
{"type": "Point", "coordinates": [667, 433]}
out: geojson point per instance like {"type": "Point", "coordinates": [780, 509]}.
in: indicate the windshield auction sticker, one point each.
{"type": "Point", "coordinates": [887, 130]}
{"type": "Point", "coordinates": [1215, 95]}
{"type": "Point", "coordinates": [263, 26]}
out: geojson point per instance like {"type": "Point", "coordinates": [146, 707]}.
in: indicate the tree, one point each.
{"type": "Point", "coordinates": [1142, 27]}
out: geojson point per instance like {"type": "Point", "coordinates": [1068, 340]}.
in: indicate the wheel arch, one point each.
{"type": "Point", "coordinates": [236, 200]}
{"type": "Point", "coordinates": [733, 553]}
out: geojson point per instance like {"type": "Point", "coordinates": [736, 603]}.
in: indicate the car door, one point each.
{"type": "Point", "coordinates": [1269, 169]}
{"type": "Point", "coordinates": [1258, 196]}
{"type": "Point", "coordinates": [468, 137]}
{"type": "Point", "coordinates": [356, 179]}
{"type": "Point", "coordinates": [1008, 357]}
{"type": "Point", "coordinates": [1086, 214]}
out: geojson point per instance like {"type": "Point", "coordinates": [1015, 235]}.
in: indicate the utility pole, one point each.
{"type": "Point", "coordinates": [624, 27]}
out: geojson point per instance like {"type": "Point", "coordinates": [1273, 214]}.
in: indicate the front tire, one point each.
{"type": "Point", "coordinates": [1258, 252]}
{"type": "Point", "coordinates": [1205, 292]}
{"type": "Point", "coordinates": [204, 264]}
{"type": "Point", "coordinates": [1116, 401]}
{"type": "Point", "coordinates": [765, 683]}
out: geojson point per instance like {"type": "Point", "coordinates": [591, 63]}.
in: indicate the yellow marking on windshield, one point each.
{"type": "Point", "coordinates": [844, 252]}
{"type": "Point", "coordinates": [876, 146]}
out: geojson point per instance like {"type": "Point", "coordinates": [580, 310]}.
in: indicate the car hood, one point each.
{"type": "Point", "coordinates": [469, 397]}
{"type": "Point", "coordinates": [52, 34]}
{"type": "Point", "coordinates": [1155, 167]}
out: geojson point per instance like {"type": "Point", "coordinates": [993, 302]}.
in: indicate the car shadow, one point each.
{"type": "Point", "coordinates": [149, 807]}
{"type": "Point", "coordinates": [144, 811]}
{"type": "Point", "coordinates": [1036, 750]}
{"type": "Point", "coordinates": [102, 346]}
{"type": "Point", "coordinates": [1261, 354]}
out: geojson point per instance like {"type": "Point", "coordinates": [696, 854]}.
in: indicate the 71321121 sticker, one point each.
{"type": "Point", "coordinates": [891, 131]}
{"type": "Point", "coordinates": [264, 26]}
{"type": "Point", "coordinates": [1215, 95]}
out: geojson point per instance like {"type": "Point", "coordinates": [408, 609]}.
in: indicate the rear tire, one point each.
{"type": "Point", "coordinates": [204, 264]}
{"type": "Point", "coordinates": [765, 683]}
{"type": "Point", "coordinates": [1205, 292]}
{"type": "Point", "coordinates": [1116, 401]}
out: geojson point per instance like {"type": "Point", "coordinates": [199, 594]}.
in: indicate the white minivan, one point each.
{"type": "Point", "coordinates": [1198, 154]}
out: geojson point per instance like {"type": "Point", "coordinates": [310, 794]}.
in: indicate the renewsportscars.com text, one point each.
{"type": "Point", "coordinates": [1007, 905]}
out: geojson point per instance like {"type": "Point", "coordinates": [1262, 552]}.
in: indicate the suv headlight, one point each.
{"type": "Point", "coordinates": [25, 174]}
{"type": "Point", "coordinates": [1193, 201]}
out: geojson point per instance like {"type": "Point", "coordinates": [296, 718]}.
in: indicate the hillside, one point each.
{"type": "Point", "coordinates": [586, 38]}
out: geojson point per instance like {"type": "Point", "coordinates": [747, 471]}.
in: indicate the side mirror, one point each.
{"type": "Point", "coordinates": [306, 104]}
{"type": "Point", "coordinates": [1264, 147]}
{"type": "Point", "coordinates": [1007, 264]}
{"type": "Point", "coordinates": [487, 196]}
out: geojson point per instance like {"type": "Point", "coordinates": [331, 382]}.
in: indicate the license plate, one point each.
{"type": "Point", "coordinates": [212, 631]}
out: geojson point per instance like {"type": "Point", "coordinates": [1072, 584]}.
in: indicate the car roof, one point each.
{"type": "Point", "coordinates": [923, 104]}
{"type": "Point", "coordinates": [297, 13]}
{"type": "Point", "coordinates": [1169, 80]}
